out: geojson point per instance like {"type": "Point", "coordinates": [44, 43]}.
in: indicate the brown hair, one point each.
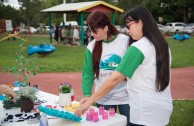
{"type": "Point", "coordinates": [96, 20]}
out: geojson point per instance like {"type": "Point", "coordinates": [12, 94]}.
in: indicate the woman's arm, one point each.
{"type": "Point", "coordinates": [87, 74]}
{"type": "Point", "coordinates": [106, 87]}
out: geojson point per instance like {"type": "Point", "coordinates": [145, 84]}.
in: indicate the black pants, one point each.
{"type": "Point", "coordinates": [131, 124]}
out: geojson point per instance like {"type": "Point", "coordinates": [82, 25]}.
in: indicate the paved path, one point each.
{"type": "Point", "coordinates": [182, 83]}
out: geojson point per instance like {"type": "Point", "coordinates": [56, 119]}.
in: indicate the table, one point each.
{"type": "Point", "coordinates": [117, 120]}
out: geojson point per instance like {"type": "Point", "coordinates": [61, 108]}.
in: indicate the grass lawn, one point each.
{"type": "Point", "coordinates": [70, 59]}
{"type": "Point", "coordinates": [64, 59]}
{"type": "Point", "coordinates": [183, 113]}
{"type": "Point", "coordinates": [182, 52]}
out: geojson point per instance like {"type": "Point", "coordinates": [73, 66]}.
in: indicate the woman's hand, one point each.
{"type": "Point", "coordinates": [83, 107]}
{"type": "Point", "coordinates": [83, 100]}
{"type": "Point", "coordinates": [4, 89]}
{"type": "Point", "coordinates": [11, 93]}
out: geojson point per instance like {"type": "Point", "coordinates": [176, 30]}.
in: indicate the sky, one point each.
{"type": "Point", "coordinates": [13, 3]}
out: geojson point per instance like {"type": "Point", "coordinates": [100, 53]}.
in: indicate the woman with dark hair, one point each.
{"type": "Point", "coordinates": [102, 56]}
{"type": "Point", "coordinates": [146, 65]}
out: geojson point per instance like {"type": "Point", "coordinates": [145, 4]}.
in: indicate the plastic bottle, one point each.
{"type": "Point", "coordinates": [43, 120]}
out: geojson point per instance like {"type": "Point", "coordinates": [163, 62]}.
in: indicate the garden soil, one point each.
{"type": "Point", "coordinates": [182, 82]}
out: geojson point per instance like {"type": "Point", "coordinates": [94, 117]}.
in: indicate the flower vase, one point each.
{"type": "Point", "coordinates": [65, 99]}
{"type": "Point", "coordinates": [27, 105]}
{"type": "Point", "coordinates": [72, 95]}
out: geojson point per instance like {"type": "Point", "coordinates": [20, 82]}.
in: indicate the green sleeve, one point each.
{"type": "Point", "coordinates": [131, 60]}
{"type": "Point", "coordinates": [87, 74]}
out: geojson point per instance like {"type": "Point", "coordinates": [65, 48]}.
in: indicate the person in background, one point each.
{"type": "Point", "coordinates": [67, 34]}
{"type": "Point", "coordinates": [63, 30]}
{"type": "Point", "coordinates": [76, 39]}
{"type": "Point", "coordinates": [71, 34]}
{"type": "Point", "coordinates": [14, 32]}
{"type": "Point", "coordinates": [53, 31]}
{"type": "Point", "coordinates": [56, 36]}
{"type": "Point", "coordinates": [4, 89]}
{"type": "Point", "coordinates": [146, 65]}
{"type": "Point", "coordinates": [102, 56]}
{"type": "Point", "coordinates": [59, 34]}
{"type": "Point", "coordinates": [86, 36]}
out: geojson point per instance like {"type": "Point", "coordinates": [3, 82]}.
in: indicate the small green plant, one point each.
{"type": "Point", "coordinates": [27, 92]}
{"type": "Point", "coordinates": [8, 103]}
{"type": "Point", "coordinates": [65, 88]}
{"type": "Point", "coordinates": [25, 67]}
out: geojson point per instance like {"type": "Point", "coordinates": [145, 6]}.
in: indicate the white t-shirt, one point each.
{"type": "Point", "coordinates": [112, 53]}
{"type": "Point", "coordinates": [147, 107]}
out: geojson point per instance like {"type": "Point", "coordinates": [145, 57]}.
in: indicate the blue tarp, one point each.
{"type": "Point", "coordinates": [180, 37]}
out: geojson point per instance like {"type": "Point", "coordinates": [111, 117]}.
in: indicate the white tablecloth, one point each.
{"type": "Point", "coordinates": [117, 120]}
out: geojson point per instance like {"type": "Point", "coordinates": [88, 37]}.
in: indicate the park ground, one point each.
{"type": "Point", "coordinates": [182, 82]}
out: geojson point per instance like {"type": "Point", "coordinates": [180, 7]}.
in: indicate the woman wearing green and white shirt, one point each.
{"type": "Point", "coordinates": [146, 65]}
{"type": "Point", "coordinates": [102, 57]}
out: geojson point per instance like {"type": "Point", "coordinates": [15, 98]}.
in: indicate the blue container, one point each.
{"type": "Point", "coordinates": [41, 49]}
{"type": "Point", "coordinates": [2, 97]}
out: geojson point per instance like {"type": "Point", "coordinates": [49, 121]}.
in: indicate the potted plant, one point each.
{"type": "Point", "coordinates": [27, 97]}
{"type": "Point", "coordinates": [65, 94]}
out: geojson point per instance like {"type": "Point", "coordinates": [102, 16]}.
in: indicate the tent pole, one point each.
{"type": "Point", "coordinates": [113, 18]}
{"type": "Point", "coordinates": [50, 24]}
{"type": "Point", "coordinates": [82, 28]}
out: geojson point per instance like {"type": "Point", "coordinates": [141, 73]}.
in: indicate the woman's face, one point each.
{"type": "Point", "coordinates": [134, 29]}
{"type": "Point", "coordinates": [101, 34]}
